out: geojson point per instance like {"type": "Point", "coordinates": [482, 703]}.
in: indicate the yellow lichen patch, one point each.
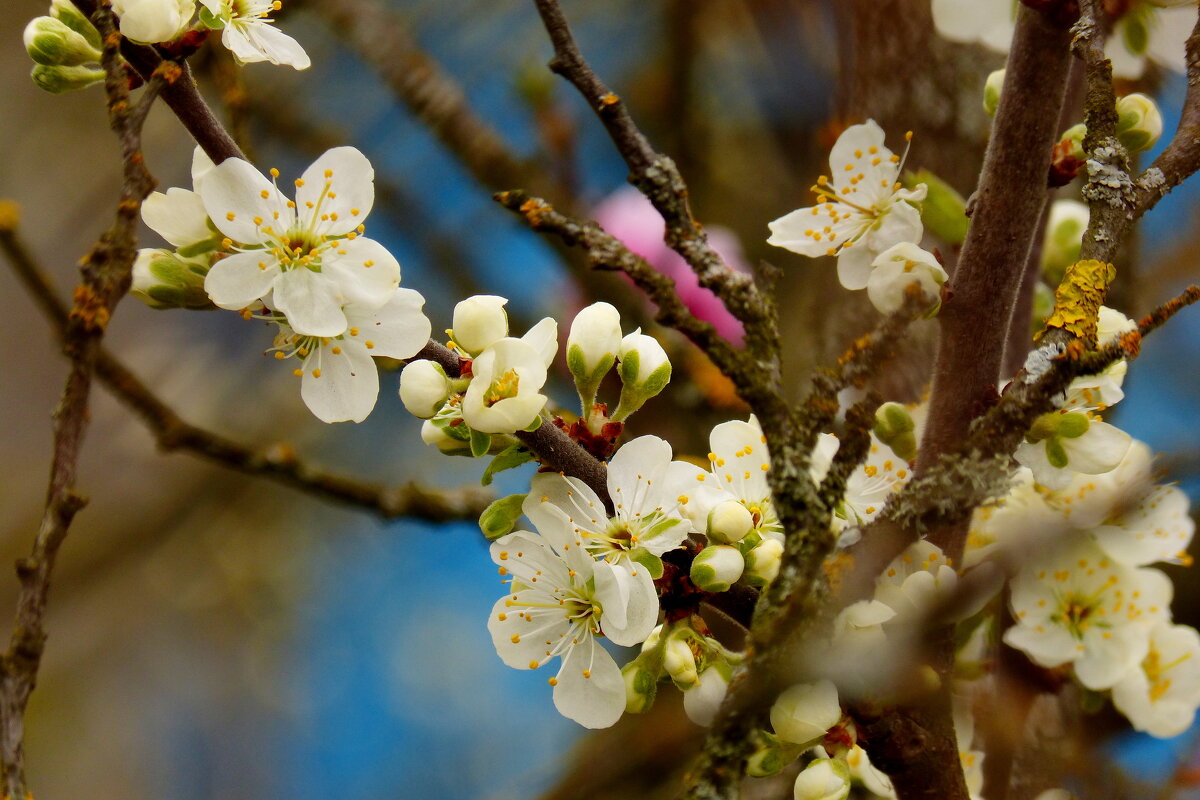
{"type": "Point", "coordinates": [1077, 299]}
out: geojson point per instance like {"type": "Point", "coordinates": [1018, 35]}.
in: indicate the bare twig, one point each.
{"type": "Point", "coordinates": [276, 462]}
{"type": "Point", "coordinates": [105, 274]}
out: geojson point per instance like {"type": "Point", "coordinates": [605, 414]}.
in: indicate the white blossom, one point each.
{"type": "Point", "coordinates": [1160, 696]}
{"type": "Point", "coordinates": [899, 267]}
{"type": "Point", "coordinates": [311, 264]}
{"type": "Point", "coordinates": [250, 34]}
{"type": "Point", "coordinates": [823, 779]}
{"type": "Point", "coordinates": [152, 21]}
{"type": "Point", "coordinates": [1079, 606]}
{"type": "Point", "coordinates": [1063, 443]}
{"type": "Point", "coordinates": [702, 701]}
{"type": "Point", "coordinates": [504, 395]}
{"type": "Point", "coordinates": [338, 379]}
{"type": "Point", "coordinates": [861, 210]}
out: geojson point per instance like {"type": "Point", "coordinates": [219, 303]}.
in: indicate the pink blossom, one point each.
{"type": "Point", "coordinates": [629, 216]}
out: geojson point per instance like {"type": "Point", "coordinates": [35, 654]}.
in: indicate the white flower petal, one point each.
{"type": "Point", "coordinates": [398, 330]}
{"type": "Point", "coordinates": [238, 280]}
{"type": "Point", "coordinates": [311, 303]}
{"type": "Point", "coordinates": [351, 181]}
{"type": "Point", "coordinates": [365, 272]}
{"type": "Point", "coordinates": [235, 194]}
{"type": "Point", "coordinates": [854, 266]}
{"type": "Point", "coordinates": [590, 688]}
{"type": "Point", "coordinates": [177, 216]}
{"type": "Point", "coordinates": [347, 387]}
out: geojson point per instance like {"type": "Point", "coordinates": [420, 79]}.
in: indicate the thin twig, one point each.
{"type": "Point", "coordinates": [105, 279]}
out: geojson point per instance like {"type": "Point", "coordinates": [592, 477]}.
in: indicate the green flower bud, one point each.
{"type": "Point", "coordinates": [1065, 225]}
{"type": "Point", "coordinates": [729, 522]}
{"type": "Point", "coordinates": [823, 779]}
{"type": "Point", "coordinates": [1073, 424]}
{"type": "Point", "coordinates": [641, 686]}
{"type": "Point", "coordinates": [66, 12]}
{"type": "Point", "coordinates": [592, 348]}
{"type": "Point", "coordinates": [717, 567]}
{"type": "Point", "coordinates": [680, 662]}
{"type": "Point", "coordinates": [991, 92]}
{"type": "Point", "coordinates": [499, 518]}
{"type": "Point", "coordinates": [645, 371]}
{"type": "Point", "coordinates": [52, 42]}
{"type": "Point", "coordinates": [1072, 140]}
{"type": "Point", "coordinates": [894, 427]}
{"type": "Point", "coordinates": [762, 562]}
{"type": "Point", "coordinates": [59, 80]}
{"type": "Point", "coordinates": [1139, 123]}
{"type": "Point", "coordinates": [161, 279]}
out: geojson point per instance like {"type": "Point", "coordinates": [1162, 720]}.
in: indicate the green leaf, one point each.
{"type": "Point", "coordinates": [480, 443]}
{"type": "Point", "coordinates": [511, 456]}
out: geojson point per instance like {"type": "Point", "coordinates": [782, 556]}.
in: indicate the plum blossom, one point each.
{"type": "Point", "coordinates": [1079, 606]}
{"type": "Point", "coordinates": [1160, 696]}
{"type": "Point", "coordinates": [560, 602]}
{"type": "Point", "coordinates": [646, 522]}
{"type": "Point", "coordinates": [504, 394]}
{"type": "Point", "coordinates": [338, 379]}
{"type": "Point", "coordinates": [1063, 443]}
{"type": "Point", "coordinates": [861, 210]}
{"type": "Point", "coordinates": [249, 34]}
{"type": "Point", "coordinates": [308, 265]}
{"type": "Point", "coordinates": [1146, 29]}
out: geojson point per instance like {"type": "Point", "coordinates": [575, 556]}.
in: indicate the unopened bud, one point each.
{"type": "Point", "coordinates": [161, 279]}
{"type": "Point", "coordinates": [424, 388]}
{"type": "Point", "coordinates": [991, 92]}
{"type": "Point", "coordinates": [66, 12]}
{"type": "Point", "coordinates": [805, 712]}
{"type": "Point", "coordinates": [52, 42]}
{"type": "Point", "coordinates": [1065, 224]}
{"type": "Point", "coordinates": [702, 701]}
{"type": "Point", "coordinates": [59, 80]}
{"type": "Point", "coordinates": [729, 522]}
{"type": "Point", "coordinates": [645, 371]}
{"type": "Point", "coordinates": [680, 662]}
{"type": "Point", "coordinates": [943, 211]}
{"type": "Point", "coordinates": [894, 427]}
{"type": "Point", "coordinates": [762, 562]}
{"type": "Point", "coordinates": [501, 516]}
{"type": "Point", "coordinates": [479, 322]}
{"type": "Point", "coordinates": [1139, 123]}
{"type": "Point", "coordinates": [592, 348]}
{"type": "Point", "coordinates": [1067, 157]}
{"type": "Point", "coordinates": [640, 687]}
{"type": "Point", "coordinates": [823, 779]}
{"type": "Point", "coordinates": [153, 21]}
{"type": "Point", "coordinates": [717, 567]}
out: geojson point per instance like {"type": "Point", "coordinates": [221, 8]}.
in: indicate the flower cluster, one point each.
{"type": "Point", "coordinates": [303, 266]}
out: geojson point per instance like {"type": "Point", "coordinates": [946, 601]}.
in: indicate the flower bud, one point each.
{"type": "Point", "coordinates": [479, 322]}
{"type": "Point", "coordinates": [153, 21]}
{"type": "Point", "coordinates": [729, 522]}
{"type": "Point", "coordinates": [645, 371]}
{"type": "Point", "coordinates": [823, 779]}
{"type": "Point", "coordinates": [52, 42]}
{"type": "Point", "coordinates": [65, 11]}
{"type": "Point", "coordinates": [499, 518]}
{"type": "Point", "coordinates": [1067, 156]}
{"type": "Point", "coordinates": [161, 279]}
{"type": "Point", "coordinates": [898, 268]}
{"type": "Point", "coordinates": [424, 388]}
{"type": "Point", "coordinates": [652, 640]}
{"type": "Point", "coordinates": [894, 427]}
{"type": "Point", "coordinates": [680, 662]}
{"type": "Point", "coordinates": [762, 562]}
{"type": "Point", "coordinates": [717, 567]}
{"type": "Point", "coordinates": [1139, 123]}
{"type": "Point", "coordinates": [991, 92]}
{"type": "Point", "coordinates": [58, 80]}
{"type": "Point", "coordinates": [768, 757]}
{"type": "Point", "coordinates": [702, 701]}
{"type": "Point", "coordinates": [805, 712]}
{"type": "Point", "coordinates": [433, 434]}
{"type": "Point", "coordinates": [1065, 225]}
{"type": "Point", "coordinates": [640, 687]}
{"type": "Point", "coordinates": [592, 348]}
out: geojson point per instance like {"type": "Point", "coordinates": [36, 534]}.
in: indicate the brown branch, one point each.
{"type": "Point", "coordinates": [105, 279]}
{"type": "Point", "coordinates": [651, 172]}
{"type": "Point", "coordinates": [276, 462]}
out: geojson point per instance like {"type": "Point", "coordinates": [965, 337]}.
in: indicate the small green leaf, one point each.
{"type": "Point", "coordinates": [511, 456]}
{"type": "Point", "coordinates": [480, 443]}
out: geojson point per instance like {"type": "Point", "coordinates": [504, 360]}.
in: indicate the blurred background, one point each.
{"type": "Point", "coordinates": [213, 635]}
